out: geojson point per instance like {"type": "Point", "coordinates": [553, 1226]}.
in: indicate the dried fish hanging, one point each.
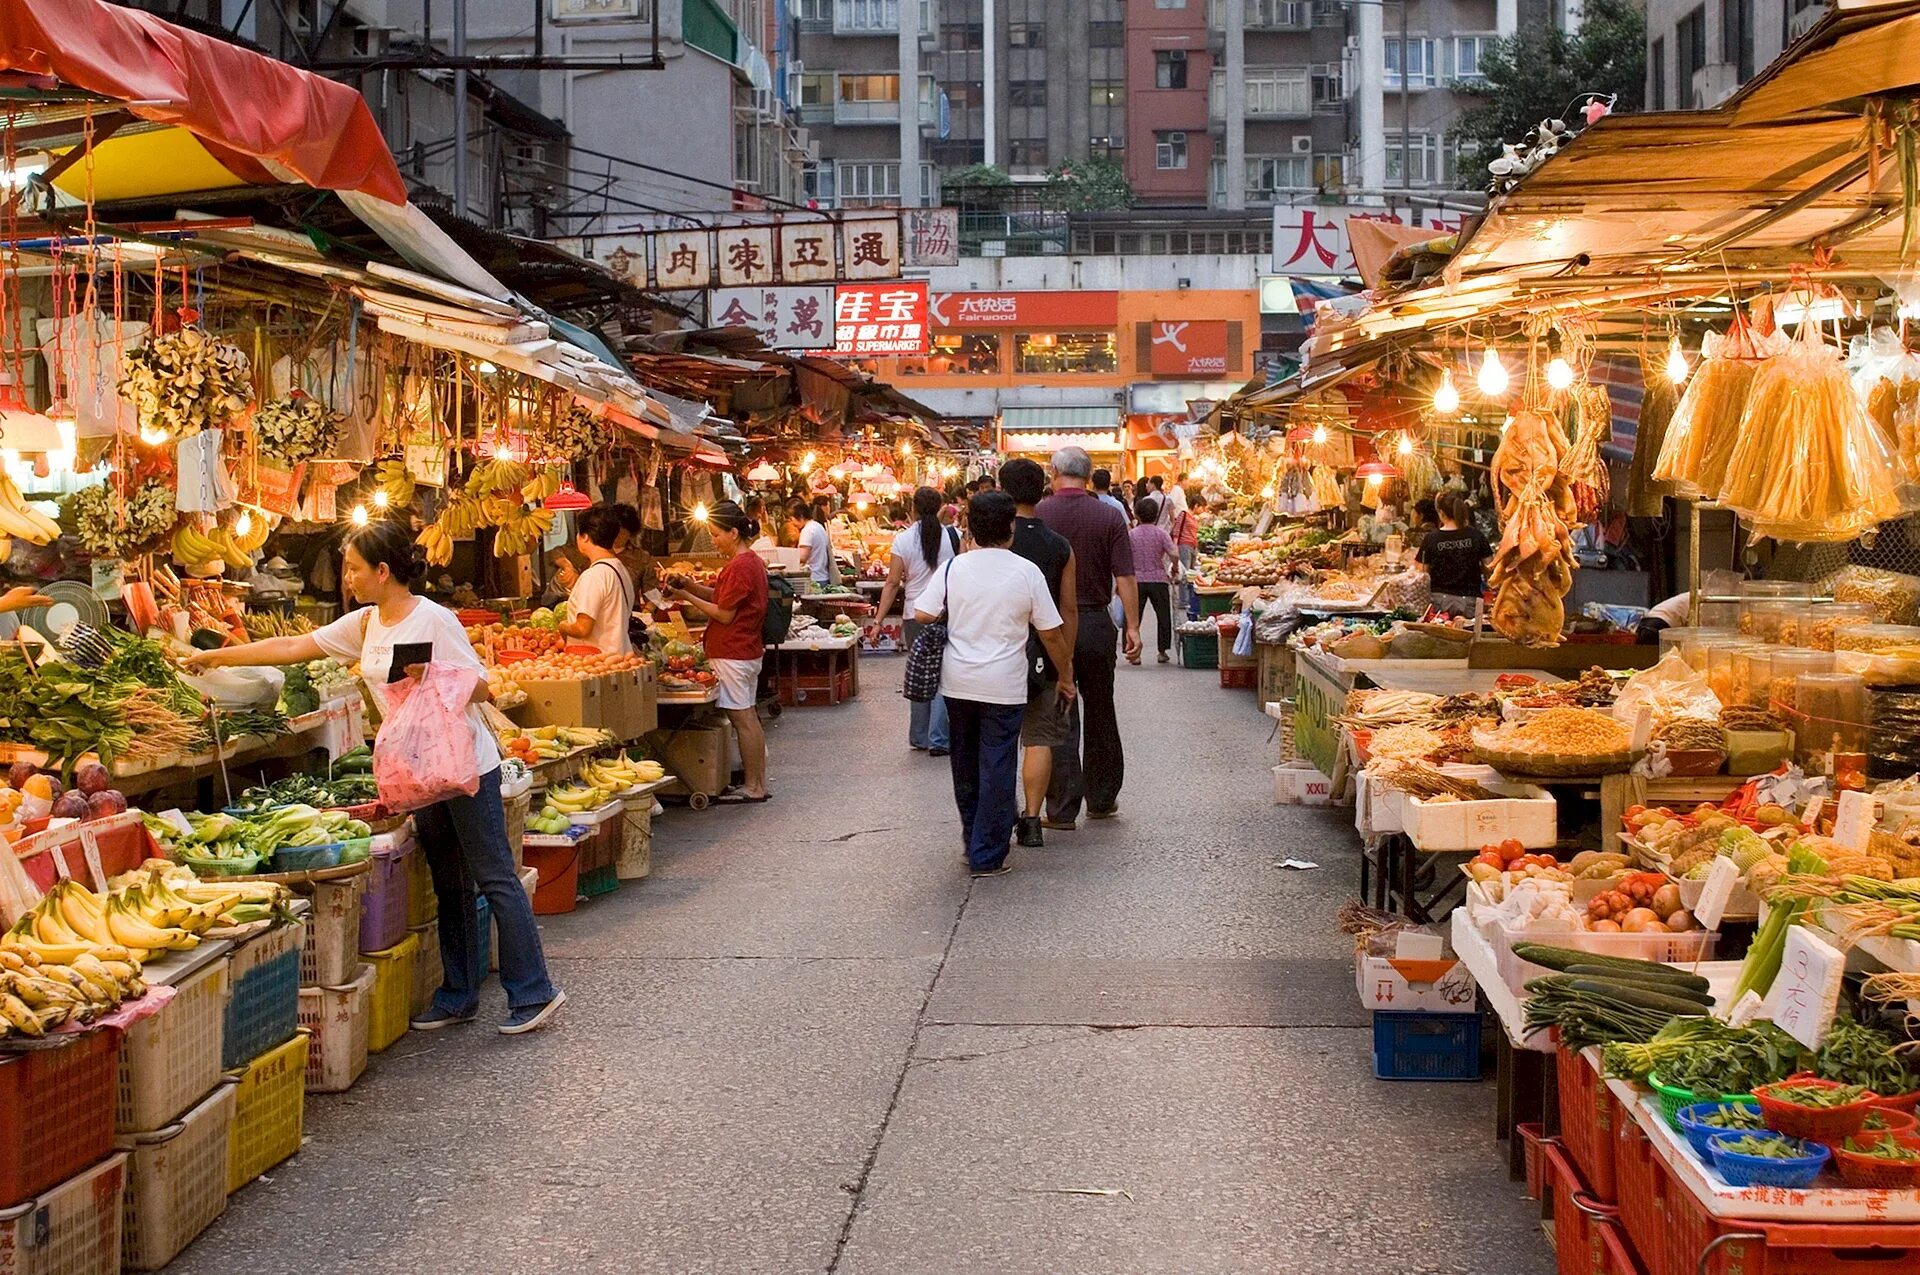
{"type": "Point", "coordinates": [1706, 424]}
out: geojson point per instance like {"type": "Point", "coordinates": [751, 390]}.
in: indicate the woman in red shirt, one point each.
{"type": "Point", "coordinates": [736, 608]}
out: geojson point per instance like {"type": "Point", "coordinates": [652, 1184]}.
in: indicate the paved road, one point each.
{"type": "Point", "coordinates": [810, 1044]}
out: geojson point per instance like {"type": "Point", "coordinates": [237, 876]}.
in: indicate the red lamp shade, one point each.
{"type": "Point", "coordinates": [1376, 469]}
{"type": "Point", "coordinates": [566, 498]}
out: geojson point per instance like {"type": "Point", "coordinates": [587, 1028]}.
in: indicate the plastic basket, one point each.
{"type": "Point", "coordinates": [1199, 650]}
{"type": "Point", "coordinates": [1641, 1181]}
{"type": "Point", "coordinates": [1417, 1046]}
{"type": "Point", "coordinates": [1695, 1242]}
{"type": "Point", "coordinates": [1576, 1215]}
{"type": "Point", "coordinates": [56, 1113]}
{"type": "Point", "coordinates": [331, 952]}
{"type": "Point", "coordinates": [423, 903]}
{"type": "Point", "coordinates": [264, 1009]}
{"type": "Point", "coordinates": [602, 880]}
{"type": "Point", "coordinates": [69, 1229]}
{"type": "Point", "coordinates": [428, 972]}
{"type": "Point", "coordinates": [383, 910]}
{"type": "Point", "coordinates": [1617, 1255]}
{"type": "Point", "coordinates": [170, 1059]}
{"type": "Point", "coordinates": [176, 1182]}
{"type": "Point", "coordinates": [207, 866]}
{"type": "Point", "coordinates": [1238, 679]}
{"type": "Point", "coordinates": [337, 1019]}
{"type": "Point", "coordinates": [1759, 1170]}
{"type": "Point", "coordinates": [1821, 1124]}
{"type": "Point", "coordinates": [392, 993]}
{"type": "Point", "coordinates": [1535, 1144]}
{"type": "Point", "coordinates": [268, 1111]}
{"type": "Point", "coordinates": [1869, 1171]}
{"type": "Point", "coordinates": [1587, 1115]}
{"type": "Point", "coordinates": [1689, 1120]}
{"type": "Point", "coordinates": [1672, 1099]}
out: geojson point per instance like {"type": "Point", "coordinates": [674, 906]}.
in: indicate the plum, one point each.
{"type": "Point", "coordinates": [19, 773]}
{"type": "Point", "coordinates": [91, 777]}
{"type": "Point", "coordinates": [108, 801]}
{"type": "Point", "coordinates": [71, 805]}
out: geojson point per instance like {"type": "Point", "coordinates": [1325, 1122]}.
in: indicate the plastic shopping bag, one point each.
{"type": "Point", "coordinates": [424, 751]}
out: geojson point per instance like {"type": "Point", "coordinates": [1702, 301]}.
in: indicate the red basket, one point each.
{"type": "Point", "coordinates": [1536, 1144]}
{"type": "Point", "coordinates": [1643, 1186]}
{"type": "Point", "coordinates": [1239, 679]}
{"type": "Point", "coordinates": [1907, 1102]}
{"type": "Point", "coordinates": [56, 1112]}
{"type": "Point", "coordinates": [1577, 1217]}
{"type": "Point", "coordinates": [1856, 1169]}
{"type": "Point", "coordinates": [1616, 1253]}
{"type": "Point", "coordinates": [1818, 1124]}
{"type": "Point", "coordinates": [1587, 1117]}
{"type": "Point", "coordinates": [510, 655]}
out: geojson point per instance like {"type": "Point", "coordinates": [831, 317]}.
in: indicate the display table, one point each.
{"type": "Point", "coordinates": [1617, 792]}
{"type": "Point", "coordinates": [813, 672]}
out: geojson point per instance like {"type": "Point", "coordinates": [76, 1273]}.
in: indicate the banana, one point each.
{"type": "Point", "coordinates": [230, 552]}
{"type": "Point", "coordinates": [49, 953]}
{"type": "Point", "coordinates": [96, 974]}
{"type": "Point", "coordinates": [80, 910]}
{"type": "Point", "coordinates": [20, 519]}
{"type": "Point", "coordinates": [136, 933]}
{"type": "Point", "coordinates": [15, 1013]}
{"type": "Point", "coordinates": [50, 928]}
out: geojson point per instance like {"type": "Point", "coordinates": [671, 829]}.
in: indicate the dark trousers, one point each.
{"type": "Point", "coordinates": [465, 841]}
{"type": "Point", "coordinates": [986, 775]}
{"type": "Point", "coordinates": [1159, 597]}
{"type": "Point", "coordinates": [1093, 727]}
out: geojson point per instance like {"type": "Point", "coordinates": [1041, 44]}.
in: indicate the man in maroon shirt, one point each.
{"type": "Point", "coordinates": [1103, 565]}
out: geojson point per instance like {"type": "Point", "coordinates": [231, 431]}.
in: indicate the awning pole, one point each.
{"type": "Point", "coordinates": [460, 108]}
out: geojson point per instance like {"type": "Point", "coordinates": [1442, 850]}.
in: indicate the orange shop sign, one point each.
{"type": "Point", "coordinates": [1054, 311]}
{"type": "Point", "coordinates": [1183, 347]}
{"type": "Point", "coordinates": [872, 320]}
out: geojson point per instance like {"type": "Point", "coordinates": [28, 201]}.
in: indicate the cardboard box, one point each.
{"type": "Point", "coordinates": [629, 710]}
{"type": "Point", "coordinates": [696, 755]}
{"type": "Point", "coordinates": [1404, 984]}
{"type": "Point", "coordinates": [568, 702]}
{"type": "Point", "coordinates": [1300, 783]}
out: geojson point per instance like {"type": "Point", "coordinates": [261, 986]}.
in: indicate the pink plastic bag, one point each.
{"type": "Point", "coordinates": [424, 751]}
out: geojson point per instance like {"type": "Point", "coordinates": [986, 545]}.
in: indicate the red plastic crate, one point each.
{"type": "Point", "coordinates": [1577, 1217]}
{"type": "Point", "coordinates": [810, 690]}
{"type": "Point", "coordinates": [1239, 679]}
{"type": "Point", "coordinates": [1536, 1158]}
{"type": "Point", "coordinates": [1697, 1243]}
{"type": "Point", "coordinates": [1643, 1186]}
{"type": "Point", "coordinates": [56, 1112]}
{"type": "Point", "coordinates": [1616, 1250]}
{"type": "Point", "coordinates": [1588, 1115]}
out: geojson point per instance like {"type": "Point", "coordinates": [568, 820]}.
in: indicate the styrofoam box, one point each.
{"type": "Point", "coordinates": [1384, 985]}
{"type": "Point", "coordinates": [1527, 816]}
{"type": "Point", "coordinates": [1376, 807]}
{"type": "Point", "coordinates": [1299, 783]}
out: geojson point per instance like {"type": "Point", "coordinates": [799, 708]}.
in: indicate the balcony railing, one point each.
{"type": "Point", "coordinates": [1272, 93]}
{"type": "Point", "coordinates": [1265, 15]}
{"type": "Point", "coordinates": [878, 17]}
{"type": "Point", "coordinates": [880, 112]}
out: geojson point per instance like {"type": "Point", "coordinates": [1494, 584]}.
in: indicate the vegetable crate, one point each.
{"type": "Point", "coordinates": [170, 1059]}
{"type": "Point", "coordinates": [1535, 1144]}
{"type": "Point", "coordinates": [1640, 1185]}
{"type": "Point", "coordinates": [264, 1009]}
{"type": "Point", "coordinates": [1588, 1114]}
{"type": "Point", "coordinates": [56, 1113]}
{"type": "Point", "coordinates": [392, 992]}
{"type": "Point", "coordinates": [1683, 949]}
{"type": "Point", "coordinates": [71, 1229]}
{"type": "Point", "coordinates": [428, 973]}
{"type": "Point", "coordinates": [1275, 666]}
{"type": "Point", "coordinates": [1581, 1224]}
{"type": "Point", "coordinates": [268, 1112]}
{"type": "Point", "coordinates": [176, 1182]}
{"type": "Point", "coordinates": [1420, 1046]}
{"type": "Point", "coordinates": [1693, 1240]}
{"type": "Point", "coordinates": [338, 1018]}
{"type": "Point", "coordinates": [1198, 650]}
{"type": "Point", "coordinates": [384, 909]}
{"type": "Point", "coordinates": [1238, 679]}
{"type": "Point", "coordinates": [813, 689]}
{"type": "Point", "coordinates": [332, 950]}
{"type": "Point", "coordinates": [422, 903]}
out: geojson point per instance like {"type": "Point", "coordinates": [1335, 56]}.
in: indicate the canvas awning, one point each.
{"type": "Point", "coordinates": [1054, 420]}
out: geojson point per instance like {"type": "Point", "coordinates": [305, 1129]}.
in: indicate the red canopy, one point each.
{"type": "Point", "coordinates": [244, 108]}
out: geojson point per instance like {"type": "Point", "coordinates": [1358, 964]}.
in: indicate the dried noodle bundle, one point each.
{"type": "Point", "coordinates": [1706, 425]}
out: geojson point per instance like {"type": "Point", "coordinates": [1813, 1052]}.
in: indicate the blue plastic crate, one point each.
{"type": "Point", "coordinates": [264, 1010]}
{"type": "Point", "coordinates": [1414, 1046]}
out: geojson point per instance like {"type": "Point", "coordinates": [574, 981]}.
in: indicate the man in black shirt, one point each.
{"type": "Point", "coordinates": [1047, 721]}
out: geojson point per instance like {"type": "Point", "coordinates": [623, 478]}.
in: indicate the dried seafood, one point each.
{"type": "Point", "coordinates": [1705, 426]}
{"type": "Point", "coordinates": [1533, 566]}
{"type": "Point", "coordinates": [1748, 717]}
{"type": "Point", "coordinates": [1405, 743]}
{"type": "Point", "coordinates": [1692, 734]}
{"type": "Point", "coordinates": [1417, 779]}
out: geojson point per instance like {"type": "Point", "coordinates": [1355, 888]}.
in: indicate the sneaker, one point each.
{"type": "Point", "coordinates": [1026, 831]}
{"type": "Point", "coordinates": [533, 1017]}
{"type": "Point", "coordinates": [939, 752]}
{"type": "Point", "coordinates": [1165, 658]}
{"type": "Point", "coordinates": [999, 869]}
{"type": "Point", "coordinates": [435, 1018]}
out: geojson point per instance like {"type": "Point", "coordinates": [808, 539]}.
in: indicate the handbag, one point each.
{"type": "Point", "coordinates": [929, 653]}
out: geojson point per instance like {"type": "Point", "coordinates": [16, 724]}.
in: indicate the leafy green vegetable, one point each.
{"type": "Point", "coordinates": [1854, 1053]}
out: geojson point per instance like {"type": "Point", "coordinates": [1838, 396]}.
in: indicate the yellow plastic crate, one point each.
{"type": "Point", "coordinates": [428, 972]}
{"type": "Point", "coordinates": [169, 1060]}
{"type": "Point", "coordinates": [268, 1111]}
{"type": "Point", "coordinates": [392, 992]}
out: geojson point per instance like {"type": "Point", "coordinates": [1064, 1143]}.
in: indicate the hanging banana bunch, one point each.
{"type": "Point", "coordinates": [522, 532]}
{"type": "Point", "coordinates": [394, 479]}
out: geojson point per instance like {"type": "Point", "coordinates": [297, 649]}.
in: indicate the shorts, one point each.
{"type": "Point", "coordinates": [1047, 721]}
{"type": "Point", "coordinates": [738, 682]}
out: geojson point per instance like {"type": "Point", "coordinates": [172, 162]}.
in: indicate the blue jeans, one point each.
{"type": "Point", "coordinates": [926, 723]}
{"type": "Point", "coordinates": [465, 841]}
{"type": "Point", "coordinates": [1189, 600]}
{"type": "Point", "coordinates": [986, 776]}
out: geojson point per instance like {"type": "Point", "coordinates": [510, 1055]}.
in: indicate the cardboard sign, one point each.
{"type": "Point", "coordinates": [1806, 993]}
{"type": "Point", "coordinates": [1722, 876]}
{"type": "Point", "coordinates": [1853, 818]}
{"type": "Point", "coordinates": [278, 490]}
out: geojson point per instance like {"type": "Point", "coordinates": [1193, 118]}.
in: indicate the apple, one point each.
{"type": "Point", "coordinates": [71, 805]}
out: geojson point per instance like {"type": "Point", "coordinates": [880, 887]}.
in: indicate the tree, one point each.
{"type": "Point", "coordinates": [978, 175]}
{"type": "Point", "coordinates": [1543, 73]}
{"type": "Point", "coordinates": [1088, 185]}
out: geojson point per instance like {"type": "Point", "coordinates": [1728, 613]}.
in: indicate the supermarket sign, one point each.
{"type": "Point", "coordinates": [880, 320]}
{"type": "Point", "coordinates": [1311, 239]}
{"type": "Point", "coordinates": [1048, 311]}
{"type": "Point", "coordinates": [1181, 347]}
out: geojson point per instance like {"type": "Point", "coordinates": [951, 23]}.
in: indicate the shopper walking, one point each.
{"type": "Point", "coordinates": [918, 552]}
{"type": "Point", "coordinates": [1455, 556]}
{"type": "Point", "coordinates": [992, 599]}
{"type": "Point", "coordinates": [1184, 531]}
{"type": "Point", "coordinates": [1045, 726]}
{"type": "Point", "coordinates": [600, 604]}
{"type": "Point", "coordinates": [1091, 766]}
{"type": "Point", "coordinates": [464, 838]}
{"type": "Point", "coordinates": [736, 611]}
{"type": "Point", "coordinates": [1156, 565]}
{"type": "Point", "coordinates": [1103, 488]}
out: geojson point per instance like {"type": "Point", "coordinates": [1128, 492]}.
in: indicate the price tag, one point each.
{"type": "Point", "coordinates": [1806, 992]}
{"type": "Point", "coordinates": [336, 734]}
{"type": "Point", "coordinates": [1642, 728]}
{"type": "Point", "coordinates": [1811, 816]}
{"type": "Point", "coordinates": [1722, 876]}
{"type": "Point", "coordinates": [1853, 818]}
{"type": "Point", "coordinates": [90, 848]}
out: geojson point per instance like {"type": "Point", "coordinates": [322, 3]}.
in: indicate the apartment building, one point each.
{"type": "Point", "coordinates": [1278, 106]}
{"type": "Point", "coordinates": [1700, 51]}
{"type": "Point", "coordinates": [866, 94]}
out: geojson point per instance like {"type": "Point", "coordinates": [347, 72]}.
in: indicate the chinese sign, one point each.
{"type": "Point", "coordinates": [932, 236]}
{"type": "Point", "coordinates": [1058, 311]}
{"type": "Point", "coordinates": [787, 318]}
{"type": "Point", "coordinates": [1180, 347]}
{"type": "Point", "coordinates": [799, 248]}
{"type": "Point", "coordinates": [876, 320]}
{"type": "Point", "coordinates": [870, 248]}
{"type": "Point", "coordinates": [1311, 239]}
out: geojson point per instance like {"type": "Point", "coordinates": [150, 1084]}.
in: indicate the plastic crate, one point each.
{"type": "Point", "coordinates": [1238, 679]}
{"type": "Point", "coordinates": [423, 904]}
{"type": "Point", "coordinates": [56, 1113]}
{"type": "Point", "coordinates": [600, 881]}
{"type": "Point", "coordinates": [1616, 1250]}
{"type": "Point", "coordinates": [69, 1229]}
{"type": "Point", "coordinates": [1641, 1187]}
{"type": "Point", "coordinates": [1697, 1243]}
{"type": "Point", "coordinates": [338, 1020]}
{"type": "Point", "coordinates": [1577, 1218]}
{"type": "Point", "coordinates": [1417, 1046]}
{"type": "Point", "coordinates": [170, 1059]}
{"type": "Point", "coordinates": [392, 993]}
{"type": "Point", "coordinates": [1535, 1144]}
{"type": "Point", "coordinates": [1199, 650]}
{"type": "Point", "coordinates": [428, 972]}
{"type": "Point", "coordinates": [264, 1009]}
{"type": "Point", "coordinates": [1587, 1116]}
{"type": "Point", "coordinates": [269, 1109]}
{"type": "Point", "coordinates": [331, 952]}
{"type": "Point", "coordinates": [384, 908]}
{"type": "Point", "coordinates": [176, 1182]}
{"type": "Point", "coordinates": [814, 690]}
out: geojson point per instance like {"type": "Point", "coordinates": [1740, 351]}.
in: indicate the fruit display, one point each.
{"type": "Point", "coordinates": [505, 691]}
{"type": "Point", "coordinates": [1642, 903]}
{"type": "Point", "coordinates": [22, 521]}
{"type": "Point", "coordinates": [516, 637]}
{"type": "Point", "coordinates": [682, 667]}
{"type": "Point", "coordinates": [392, 476]}
{"type": "Point", "coordinates": [207, 552]}
{"type": "Point", "coordinates": [620, 773]}
{"type": "Point", "coordinates": [561, 667]}
{"type": "Point", "coordinates": [550, 743]}
{"type": "Point", "coordinates": [679, 574]}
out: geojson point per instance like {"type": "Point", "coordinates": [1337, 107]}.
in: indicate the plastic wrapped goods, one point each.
{"type": "Point", "coordinates": [1705, 426]}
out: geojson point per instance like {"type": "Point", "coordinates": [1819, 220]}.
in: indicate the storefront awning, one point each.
{"type": "Point", "coordinates": [1103, 416]}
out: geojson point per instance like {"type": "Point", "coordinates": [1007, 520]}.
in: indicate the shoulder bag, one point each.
{"type": "Point", "coordinates": [928, 654]}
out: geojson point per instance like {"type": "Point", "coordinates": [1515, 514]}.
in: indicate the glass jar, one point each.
{"type": "Point", "coordinates": [1816, 622]}
{"type": "Point", "coordinates": [1720, 615]}
{"type": "Point", "coordinates": [1830, 727]}
{"type": "Point", "coordinates": [1692, 643]}
{"type": "Point", "coordinates": [1879, 654]}
{"type": "Point", "coordinates": [1789, 664]}
{"type": "Point", "coordinates": [1728, 664]}
{"type": "Point", "coordinates": [1752, 674]}
{"type": "Point", "coordinates": [1770, 619]}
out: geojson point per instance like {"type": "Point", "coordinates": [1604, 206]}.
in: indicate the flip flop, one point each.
{"type": "Point", "coordinates": [739, 799]}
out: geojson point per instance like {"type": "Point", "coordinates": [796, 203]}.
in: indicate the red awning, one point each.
{"type": "Point", "coordinates": [262, 119]}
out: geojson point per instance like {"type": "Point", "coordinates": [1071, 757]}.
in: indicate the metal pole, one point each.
{"type": "Point", "coordinates": [460, 109]}
{"type": "Point", "coordinates": [989, 77]}
{"type": "Point", "coordinates": [1693, 562]}
{"type": "Point", "coordinates": [1406, 118]}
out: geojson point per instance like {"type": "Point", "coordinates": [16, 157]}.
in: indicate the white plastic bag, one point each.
{"type": "Point", "coordinates": [1671, 688]}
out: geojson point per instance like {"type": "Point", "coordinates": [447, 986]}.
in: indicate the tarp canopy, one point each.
{"type": "Point", "coordinates": [259, 120]}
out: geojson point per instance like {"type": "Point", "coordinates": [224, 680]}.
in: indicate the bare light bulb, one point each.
{"type": "Point", "coordinates": [152, 435]}
{"type": "Point", "coordinates": [1559, 374]}
{"type": "Point", "coordinates": [807, 462]}
{"type": "Point", "coordinates": [1319, 433]}
{"type": "Point", "coordinates": [243, 524]}
{"type": "Point", "coordinates": [359, 515]}
{"type": "Point", "coordinates": [906, 448]}
{"type": "Point", "coordinates": [1405, 447]}
{"type": "Point", "coordinates": [1266, 493]}
{"type": "Point", "coordinates": [1677, 368]}
{"type": "Point", "coordinates": [1446, 399]}
{"type": "Point", "coordinates": [1493, 375]}
{"type": "Point", "coordinates": [700, 511]}
{"type": "Point", "coordinates": [380, 498]}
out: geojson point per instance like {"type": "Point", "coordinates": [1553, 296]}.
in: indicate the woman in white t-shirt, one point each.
{"type": "Point", "coordinates": [464, 838]}
{"type": "Point", "coordinates": [600, 604]}
{"type": "Point", "coordinates": [993, 599]}
{"type": "Point", "coordinates": [918, 552]}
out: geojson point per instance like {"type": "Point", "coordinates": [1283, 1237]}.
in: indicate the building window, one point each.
{"type": "Point", "coordinates": [1419, 63]}
{"type": "Point", "coordinates": [1027, 93]}
{"type": "Point", "coordinates": [1109, 147]}
{"type": "Point", "coordinates": [816, 89]}
{"type": "Point", "coordinates": [962, 37]}
{"type": "Point", "coordinates": [1425, 153]}
{"type": "Point", "coordinates": [814, 12]}
{"type": "Point", "coordinates": [1027, 152]}
{"type": "Point", "coordinates": [1026, 35]}
{"type": "Point", "coordinates": [817, 181]}
{"type": "Point", "coordinates": [1690, 47]}
{"type": "Point", "coordinates": [1169, 4]}
{"type": "Point", "coordinates": [1467, 52]}
{"type": "Point", "coordinates": [868, 15]}
{"type": "Point", "coordinates": [1170, 68]}
{"type": "Point", "coordinates": [1106, 35]}
{"type": "Point", "coordinates": [1329, 172]}
{"type": "Point", "coordinates": [958, 354]}
{"type": "Point", "coordinates": [1736, 36]}
{"type": "Point", "coordinates": [1329, 87]}
{"type": "Point", "coordinates": [869, 183]}
{"type": "Point", "coordinates": [869, 88]}
{"type": "Point", "coordinates": [1657, 60]}
{"type": "Point", "coordinates": [1109, 93]}
{"type": "Point", "coordinates": [1170, 149]}
{"type": "Point", "coordinates": [1048, 353]}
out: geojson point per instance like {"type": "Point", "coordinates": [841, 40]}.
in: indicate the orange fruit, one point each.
{"type": "Point", "coordinates": [39, 786]}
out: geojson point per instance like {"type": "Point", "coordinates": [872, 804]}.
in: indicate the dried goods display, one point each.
{"type": "Point", "coordinates": [1429, 783]}
{"type": "Point", "coordinates": [296, 428]}
{"type": "Point", "coordinates": [1405, 743]}
{"type": "Point", "coordinates": [1706, 424]}
{"type": "Point", "coordinates": [1557, 741]}
{"type": "Point", "coordinates": [110, 527]}
{"type": "Point", "coordinates": [1533, 565]}
{"type": "Point", "coordinates": [187, 381]}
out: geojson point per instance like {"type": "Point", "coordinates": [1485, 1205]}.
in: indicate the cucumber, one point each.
{"type": "Point", "coordinates": [1665, 986]}
{"type": "Point", "coordinates": [1637, 996]}
{"type": "Point", "coordinates": [1562, 958]}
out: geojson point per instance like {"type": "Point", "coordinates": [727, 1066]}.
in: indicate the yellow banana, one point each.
{"type": "Point", "coordinates": [80, 911]}
{"type": "Point", "coordinates": [15, 1013]}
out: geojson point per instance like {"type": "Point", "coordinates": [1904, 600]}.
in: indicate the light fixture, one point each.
{"type": "Point", "coordinates": [840, 471]}
{"type": "Point", "coordinates": [15, 175]}
{"type": "Point", "coordinates": [700, 511]}
{"type": "Point", "coordinates": [1405, 447]}
{"type": "Point", "coordinates": [380, 498]}
{"type": "Point", "coordinates": [485, 368]}
{"type": "Point", "coordinates": [1319, 434]}
{"type": "Point", "coordinates": [906, 447]}
{"type": "Point", "coordinates": [1376, 470]}
{"type": "Point", "coordinates": [1446, 399]}
{"type": "Point", "coordinates": [861, 499]}
{"type": "Point", "coordinates": [1493, 375]}
{"type": "Point", "coordinates": [243, 524]}
{"type": "Point", "coordinates": [359, 515]}
{"type": "Point", "coordinates": [807, 462]}
{"type": "Point", "coordinates": [1559, 374]}
{"type": "Point", "coordinates": [152, 435]}
{"type": "Point", "coordinates": [24, 429]}
{"type": "Point", "coordinates": [1677, 368]}
{"type": "Point", "coordinates": [762, 473]}
{"type": "Point", "coordinates": [1266, 493]}
{"type": "Point", "coordinates": [567, 497]}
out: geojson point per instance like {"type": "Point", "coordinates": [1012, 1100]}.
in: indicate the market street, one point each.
{"type": "Point", "coordinates": [810, 1043]}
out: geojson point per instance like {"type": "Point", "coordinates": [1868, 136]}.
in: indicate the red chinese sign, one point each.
{"type": "Point", "coordinates": [1311, 239]}
{"type": "Point", "coordinates": [1180, 347]}
{"type": "Point", "coordinates": [1050, 311]}
{"type": "Point", "coordinates": [876, 320]}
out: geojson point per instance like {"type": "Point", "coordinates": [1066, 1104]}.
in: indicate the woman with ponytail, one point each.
{"type": "Point", "coordinates": [919, 551]}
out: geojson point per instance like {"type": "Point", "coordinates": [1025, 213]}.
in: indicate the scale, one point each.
{"type": "Point", "coordinates": [73, 603]}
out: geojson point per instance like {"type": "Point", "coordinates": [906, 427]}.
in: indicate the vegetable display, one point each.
{"type": "Point", "coordinates": [1855, 1054]}
{"type": "Point", "coordinates": [1707, 1057]}
{"type": "Point", "coordinates": [1597, 999]}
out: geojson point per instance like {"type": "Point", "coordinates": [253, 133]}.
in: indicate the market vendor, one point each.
{"type": "Point", "coordinates": [600, 604]}
{"type": "Point", "coordinates": [464, 838]}
{"type": "Point", "coordinates": [1674, 611]}
{"type": "Point", "coordinates": [1455, 556]}
{"type": "Point", "coordinates": [811, 536]}
{"type": "Point", "coordinates": [736, 611]}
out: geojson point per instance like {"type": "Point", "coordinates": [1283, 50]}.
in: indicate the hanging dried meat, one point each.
{"type": "Point", "coordinates": [1533, 566]}
{"type": "Point", "coordinates": [1644, 493]}
{"type": "Point", "coordinates": [1706, 424]}
{"type": "Point", "coordinates": [1583, 466]}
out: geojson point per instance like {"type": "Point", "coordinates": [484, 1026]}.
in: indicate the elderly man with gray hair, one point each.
{"type": "Point", "coordinates": [1091, 765]}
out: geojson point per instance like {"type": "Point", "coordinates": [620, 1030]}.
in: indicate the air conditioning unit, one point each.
{"type": "Point", "coordinates": [1176, 55]}
{"type": "Point", "coordinates": [1303, 145]}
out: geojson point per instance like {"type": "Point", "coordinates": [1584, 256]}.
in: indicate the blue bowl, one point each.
{"type": "Point", "coordinates": [1691, 1120]}
{"type": "Point", "coordinates": [307, 858]}
{"type": "Point", "coordinates": [1760, 1170]}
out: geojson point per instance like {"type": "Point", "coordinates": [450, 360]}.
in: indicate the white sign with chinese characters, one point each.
{"type": "Point", "coordinates": [599, 10]}
{"type": "Point", "coordinates": [787, 318]}
{"type": "Point", "coordinates": [745, 255]}
{"type": "Point", "coordinates": [681, 259]}
{"type": "Point", "coordinates": [932, 237]}
{"type": "Point", "coordinates": [772, 248]}
{"type": "Point", "coordinates": [1311, 239]}
{"type": "Point", "coordinates": [1806, 992]}
{"type": "Point", "coordinates": [806, 251]}
{"type": "Point", "coordinates": [870, 247]}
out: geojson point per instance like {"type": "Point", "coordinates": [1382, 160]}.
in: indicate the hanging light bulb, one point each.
{"type": "Point", "coordinates": [1319, 433]}
{"type": "Point", "coordinates": [152, 435]}
{"type": "Point", "coordinates": [906, 448]}
{"type": "Point", "coordinates": [243, 524]}
{"type": "Point", "coordinates": [1446, 399]}
{"type": "Point", "coordinates": [1405, 447]}
{"type": "Point", "coordinates": [1493, 375]}
{"type": "Point", "coordinates": [807, 463]}
{"type": "Point", "coordinates": [1677, 368]}
{"type": "Point", "coordinates": [1266, 493]}
{"type": "Point", "coordinates": [380, 498]}
{"type": "Point", "coordinates": [359, 515]}
{"type": "Point", "coordinates": [1559, 374]}
{"type": "Point", "coordinates": [700, 511]}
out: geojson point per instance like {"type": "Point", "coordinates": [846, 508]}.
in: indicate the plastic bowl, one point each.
{"type": "Point", "coordinates": [1690, 1121]}
{"type": "Point", "coordinates": [307, 858]}
{"type": "Point", "coordinates": [1870, 1171]}
{"type": "Point", "coordinates": [1758, 1170]}
{"type": "Point", "coordinates": [207, 866]}
{"type": "Point", "coordinates": [1823, 1124]}
{"type": "Point", "coordinates": [1908, 1102]}
{"type": "Point", "coordinates": [1673, 1098]}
